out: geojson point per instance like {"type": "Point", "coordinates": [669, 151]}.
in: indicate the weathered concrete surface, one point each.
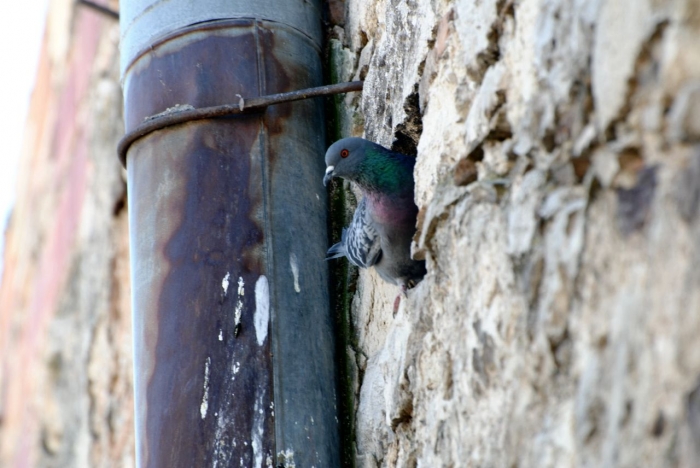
{"type": "Point", "coordinates": [559, 321]}
{"type": "Point", "coordinates": [65, 324]}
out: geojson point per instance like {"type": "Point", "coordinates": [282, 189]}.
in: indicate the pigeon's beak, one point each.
{"type": "Point", "coordinates": [328, 176]}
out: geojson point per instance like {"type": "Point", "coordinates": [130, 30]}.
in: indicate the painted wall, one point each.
{"type": "Point", "coordinates": [65, 324]}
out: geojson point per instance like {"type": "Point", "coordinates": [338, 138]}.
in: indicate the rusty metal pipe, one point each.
{"type": "Point", "coordinates": [233, 337]}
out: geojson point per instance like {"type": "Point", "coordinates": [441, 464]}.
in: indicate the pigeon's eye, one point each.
{"type": "Point", "coordinates": [344, 153]}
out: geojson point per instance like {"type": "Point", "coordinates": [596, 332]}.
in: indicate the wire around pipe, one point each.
{"type": "Point", "coordinates": [184, 113]}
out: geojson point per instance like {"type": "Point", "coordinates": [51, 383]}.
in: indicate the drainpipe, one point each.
{"type": "Point", "coordinates": [233, 339]}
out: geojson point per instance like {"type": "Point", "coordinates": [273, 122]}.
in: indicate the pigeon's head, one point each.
{"type": "Point", "coordinates": [344, 158]}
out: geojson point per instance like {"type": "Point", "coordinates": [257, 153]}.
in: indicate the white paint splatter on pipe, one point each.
{"type": "Point", "coordinates": [239, 304]}
{"type": "Point", "coordinates": [224, 283]}
{"type": "Point", "coordinates": [256, 433]}
{"type": "Point", "coordinates": [205, 398]}
{"type": "Point", "coordinates": [261, 318]}
{"type": "Point", "coordinates": [295, 271]}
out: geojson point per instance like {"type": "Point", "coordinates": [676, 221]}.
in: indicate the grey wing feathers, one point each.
{"type": "Point", "coordinates": [360, 241]}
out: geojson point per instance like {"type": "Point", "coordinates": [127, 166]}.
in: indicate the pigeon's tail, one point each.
{"type": "Point", "coordinates": [340, 249]}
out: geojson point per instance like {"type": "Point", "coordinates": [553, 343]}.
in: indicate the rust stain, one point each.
{"type": "Point", "coordinates": [193, 68]}
{"type": "Point", "coordinates": [212, 227]}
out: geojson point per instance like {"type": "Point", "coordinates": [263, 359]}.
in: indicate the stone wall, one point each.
{"type": "Point", "coordinates": [558, 178]}
{"type": "Point", "coordinates": [65, 325]}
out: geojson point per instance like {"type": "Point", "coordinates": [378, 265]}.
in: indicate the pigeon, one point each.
{"type": "Point", "coordinates": [384, 222]}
